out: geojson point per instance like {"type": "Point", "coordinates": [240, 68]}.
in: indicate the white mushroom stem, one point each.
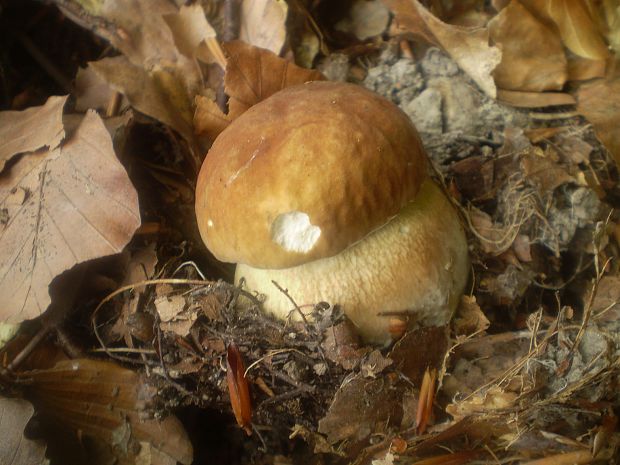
{"type": "Point", "coordinates": [416, 264]}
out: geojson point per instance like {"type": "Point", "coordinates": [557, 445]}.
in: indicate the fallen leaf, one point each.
{"type": "Point", "coordinates": [533, 58]}
{"type": "Point", "coordinates": [161, 94]}
{"type": "Point", "coordinates": [169, 307]}
{"type": "Point", "coordinates": [607, 299]}
{"type": "Point", "coordinates": [361, 407]}
{"type": "Point", "coordinates": [534, 99]}
{"type": "Point", "coordinates": [263, 24]}
{"type": "Point", "coordinates": [388, 459]}
{"type": "Point", "coordinates": [193, 35]}
{"type": "Point", "coordinates": [92, 91]}
{"type": "Point", "coordinates": [599, 102]}
{"type": "Point", "coordinates": [579, 32]}
{"type": "Point", "coordinates": [252, 75]}
{"type": "Point", "coordinates": [469, 47]}
{"type": "Point", "coordinates": [62, 207]}
{"type": "Point", "coordinates": [16, 448]}
{"type": "Point", "coordinates": [238, 388]}
{"type": "Point", "coordinates": [419, 350]}
{"type": "Point", "coordinates": [31, 129]}
{"type": "Point", "coordinates": [105, 401]}
{"type": "Point", "coordinates": [365, 19]}
{"type": "Point", "coordinates": [469, 318]}
{"type": "Point", "coordinates": [582, 69]}
{"type": "Point", "coordinates": [544, 173]}
{"type": "Point", "coordinates": [139, 30]}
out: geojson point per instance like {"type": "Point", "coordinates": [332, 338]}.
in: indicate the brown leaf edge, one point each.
{"type": "Point", "coordinates": [252, 75]}
{"type": "Point", "coordinates": [238, 389]}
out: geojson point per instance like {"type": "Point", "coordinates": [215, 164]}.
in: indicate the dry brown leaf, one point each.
{"type": "Point", "coordinates": [103, 400]}
{"type": "Point", "coordinates": [140, 31]}
{"type": "Point", "coordinates": [544, 173]}
{"type": "Point", "coordinates": [263, 24]}
{"type": "Point", "coordinates": [161, 94]}
{"type": "Point", "coordinates": [578, 30]}
{"type": "Point", "coordinates": [582, 69]}
{"type": "Point", "coordinates": [365, 19]}
{"type": "Point", "coordinates": [599, 102]}
{"type": "Point", "coordinates": [17, 449]}
{"type": "Point", "coordinates": [252, 75]}
{"type": "Point", "coordinates": [469, 47]}
{"type": "Point", "coordinates": [606, 303]}
{"type": "Point", "coordinates": [60, 208]}
{"type": "Point", "coordinates": [533, 58]}
{"type": "Point", "coordinates": [469, 318]}
{"type": "Point", "coordinates": [361, 407]}
{"type": "Point", "coordinates": [31, 129]}
{"type": "Point", "coordinates": [534, 99]}
{"type": "Point", "coordinates": [420, 349]}
{"type": "Point", "coordinates": [192, 32]}
{"type": "Point", "coordinates": [92, 91]}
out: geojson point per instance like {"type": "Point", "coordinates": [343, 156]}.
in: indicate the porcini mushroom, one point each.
{"type": "Point", "coordinates": [324, 188]}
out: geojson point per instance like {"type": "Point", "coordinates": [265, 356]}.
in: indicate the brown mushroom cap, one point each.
{"type": "Point", "coordinates": [306, 173]}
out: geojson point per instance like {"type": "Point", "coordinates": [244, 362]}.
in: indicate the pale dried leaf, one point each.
{"type": "Point", "coordinates": [576, 27]}
{"type": "Point", "coordinates": [191, 31]}
{"type": "Point", "coordinates": [92, 91]}
{"type": "Point", "coordinates": [607, 299]}
{"type": "Point", "coordinates": [169, 307]}
{"type": "Point", "coordinates": [409, 20]}
{"type": "Point", "coordinates": [489, 401]}
{"type": "Point", "coordinates": [252, 75]}
{"type": "Point", "coordinates": [469, 318]}
{"type": "Point", "coordinates": [17, 449]}
{"type": "Point", "coordinates": [544, 173]}
{"type": "Point", "coordinates": [263, 24]}
{"type": "Point", "coordinates": [582, 69]}
{"type": "Point", "coordinates": [142, 34]}
{"type": "Point", "coordinates": [469, 47]}
{"type": "Point", "coordinates": [365, 19]}
{"type": "Point", "coordinates": [31, 129]}
{"type": "Point", "coordinates": [161, 94]}
{"type": "Point", "coordinates": [599, 102]}
{"type": "Point", "coordinates": [101, 399]}
{"type": "Point", "coordinates": [533, 58]}
{"type": "Point", "coordinates": [534, 99]}
{"type": "Point", "coordinates": [61, 207]}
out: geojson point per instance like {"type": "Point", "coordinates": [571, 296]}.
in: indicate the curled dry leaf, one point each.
{"type": "Point", "coordinates": [161, 94]}
{"type": "Point", "coordinates": [238, 389]}
{"type": "Point", "coordinates": [252, 75]}
{"type": "Point", "coordinates": [599, 102]}
{"type": "Point", "coordinates": [61, 207]}
{"type": "Point", "coordinates": [533, 58]}
{"type": "Point", "coordinates": [16, 449]}
{"type": "Point", "coordinates": [534, 99]}
{"type": "Point", "coordinates": [578, 30]}
{"type": "Point", "coordinates": [366, 19]}
{"type": "Point", "coordinates": [31, 129]}
{"type": "Point", "coordinates": [263, 24]}
{"type": "Point", "coordinates": [193, 35]}
{"type": "Point", "coordinates": [137, 28]}
{"type": "Point", "coordinates": [469, 47]}
{"type": "Point", "coordinates": [92, 91]}
{"type": "Point", "coordinates": [360, 407]}
{"type": "Point", "coordinates": [102, 400]}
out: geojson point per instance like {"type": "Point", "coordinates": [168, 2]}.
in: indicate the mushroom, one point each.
{"type": "Point", "coordinates": [324, 189]}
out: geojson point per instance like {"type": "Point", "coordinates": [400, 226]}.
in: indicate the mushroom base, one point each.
{"type": "Point", "coordinates": [417, 264]}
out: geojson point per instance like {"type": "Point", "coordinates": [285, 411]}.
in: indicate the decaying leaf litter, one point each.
{"type": "Point", "coordinates": [516, 107]}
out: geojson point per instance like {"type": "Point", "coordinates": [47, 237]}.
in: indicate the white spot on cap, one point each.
{"type": "Point", "coordinates": [294, 233]}
{"type": "Point", "coordinates": [210, 223]}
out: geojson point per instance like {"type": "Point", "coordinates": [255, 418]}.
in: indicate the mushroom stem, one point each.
{"type": "Point", "coordinates": [417, 264]}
